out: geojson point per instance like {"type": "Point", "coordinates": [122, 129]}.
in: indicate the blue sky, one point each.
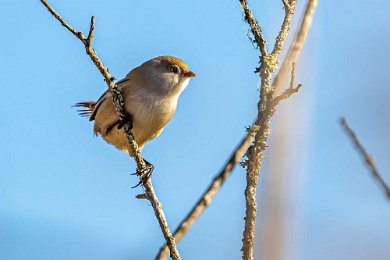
{"type": "Point", "coordinates": [65, 194]}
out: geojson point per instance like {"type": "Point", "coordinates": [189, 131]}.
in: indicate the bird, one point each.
{"type": "Point", "coordinates": [151, 92]}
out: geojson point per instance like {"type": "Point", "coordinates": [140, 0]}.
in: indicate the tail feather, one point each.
{"type": "Point", "coordinates": [87, 108]}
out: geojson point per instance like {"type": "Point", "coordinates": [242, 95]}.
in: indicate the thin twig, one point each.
{"type": "Point", "coordinates": [255, 28]}
{"type": "Point", "coordinates": [289, 91]}
{"type": "Point", "coordinates": [60, 19]}
{"type": "Point", "coordinates": [91, 31]}
{"type": "Point", "coordinates": [368, 160]}
{"type": "Point", "coordinates": [289, 8]}
{"type": "Point", "coordinates": [118, 100]}
{"type": "Point", "coordinates": [296, 46]}
{"type": "Point", "coordinates": [292, 54]}
{"type": "Point", "coordinates": [88, 48]}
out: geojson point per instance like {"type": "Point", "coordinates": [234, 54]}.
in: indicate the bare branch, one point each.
{"type": "Point", "coordinates": [255, 28]}
{"type": "Point", "coordinates": [289, 91]}
{"type": "Point", "coordinates": [78, 34]}
{"type": "Point", "coordinates": [366, 156]}
{"type": "Point", "coordinates": [292, 54]}
{"type": "Point", "coordinates": [118, 100]}
{"type": "Point", "coordinates": [289, 8]}
{"type": "Point", "coordinates": [91, 31]}
{"type": "Point", "coordinates": [296, 47]}
{"type": "Point", "coordinates": [255, 152]}
{"type": "Point", "coordinates": [88, 48]}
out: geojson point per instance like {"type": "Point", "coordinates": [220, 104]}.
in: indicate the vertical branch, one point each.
{"type": "Point", "coordinates": [255, 152]}
{"type": "Point", "coordinates": [293, 53]}
{"type": "Point", "coordinates": [91, 31]}
{"type": "Point", "coordinates": [366, 157]}
{"type": "Point", "coordinates": [118, 100]}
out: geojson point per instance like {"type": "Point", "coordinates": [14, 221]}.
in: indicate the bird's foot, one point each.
{"type": "Point", "coordinates": [144, 174]}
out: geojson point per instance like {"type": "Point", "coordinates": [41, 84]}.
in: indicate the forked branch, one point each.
{"type": "Point", "coordinates": [204, 201]}
{"type": "Point", "coordinates": [255, 152]}
{"type": "Point", "coordinates": [289, 91]}
{"type": "Point", "coordinates": [296, 46]}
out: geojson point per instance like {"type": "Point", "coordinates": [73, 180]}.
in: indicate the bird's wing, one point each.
{"type": "Point", "coordinates": [98, 103]}
{"type": "Point", "coordinates": [90, 108]}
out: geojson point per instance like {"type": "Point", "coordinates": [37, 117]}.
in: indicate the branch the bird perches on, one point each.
{"type": "Point", "coordinates": [118, 100]}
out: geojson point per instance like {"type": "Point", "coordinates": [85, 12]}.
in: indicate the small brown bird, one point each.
{"type": "Point", "coordinates": [151, 92]}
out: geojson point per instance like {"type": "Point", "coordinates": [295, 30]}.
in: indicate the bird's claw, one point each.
{"type": "Point", "coordinates": [144, 174]}
{"type": "Point", "coordinates": [139, 183]}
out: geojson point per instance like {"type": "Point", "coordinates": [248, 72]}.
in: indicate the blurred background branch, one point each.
{"type": "Point", "coordinates": [278, 226]}
{"type": "Point", "coordinates": [368, 160]}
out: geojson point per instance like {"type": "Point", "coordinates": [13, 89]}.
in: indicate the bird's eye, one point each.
{"type": "Point", "coordinates": [174, 69]}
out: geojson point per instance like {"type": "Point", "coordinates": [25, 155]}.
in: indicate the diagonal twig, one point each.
{"type": "Point", "coordinates": [289, 91]}
{"type": "Point", "coordinates": [118, 100]}
{"type": "Point", "coordinates": [255, 28]}
{"type": "Point", "coordinates": [368, 160]}
{"type": "Point", "coordinates": [292, 55]}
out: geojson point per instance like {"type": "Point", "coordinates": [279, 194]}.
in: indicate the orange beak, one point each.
{"type": "Point", "coordinates": [189, 74]}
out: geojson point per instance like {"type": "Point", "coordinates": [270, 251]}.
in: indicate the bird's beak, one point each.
{"type": "Point", "coordinates": [189, 74]}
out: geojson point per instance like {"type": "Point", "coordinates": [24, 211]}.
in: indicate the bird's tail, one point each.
{"type": "Point", "coordinates": [86, 108]}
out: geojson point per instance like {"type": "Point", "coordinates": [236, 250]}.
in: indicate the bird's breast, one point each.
{"type": "Point", "coordinates": [150, 115]}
